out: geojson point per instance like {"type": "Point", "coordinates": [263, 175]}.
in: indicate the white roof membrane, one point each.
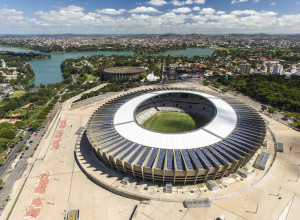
{"type": "Point", "coordinates": [220, 127]}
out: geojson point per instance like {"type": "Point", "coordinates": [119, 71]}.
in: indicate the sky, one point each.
{"type": "Point", "coordinates": [149, 16]}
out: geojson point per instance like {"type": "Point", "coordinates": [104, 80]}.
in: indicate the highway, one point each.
{"type": "Point", "coordinates": [16, 150]}
{"type": "Point", "coordinates": [17, 161]}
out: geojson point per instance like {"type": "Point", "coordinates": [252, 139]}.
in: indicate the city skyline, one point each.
{"type": "Point", "coordinates": [150, 17]}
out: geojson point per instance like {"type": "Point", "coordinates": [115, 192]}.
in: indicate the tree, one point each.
{"type": "Point", "coordinates": [143, 75]}
{"type": "Point", "coordinates": [34, 125]}
{"type": "Point", "coordinates": [271, 110]}
{"type": "Point", "coordinates": [3, 144]}
{"type": "Point", "coordinates": [263, 107]}
{"type": "Point", "coordinates": [7, 133]}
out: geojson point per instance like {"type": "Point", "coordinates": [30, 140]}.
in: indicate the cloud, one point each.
{"type": "Point", "coordinates": [110, 11]}
{"type": "Point", "coordinates": [143, 9]}
{"type": "Point", "coordinates": [196, 8]}
{"type": "Point", "coordinates": [237, 1]}
{"type": "Point", "coordinates": [74, 19]}
{"type": "Point", "coordinates": [243, 12]}
{"type": "Point", "coordinates": [12, 17]}
{"type": "Point", "coordinates": [182, 10]}
{"type": "Point", "coordinates": [255, 1]}
{"type": "Point", "coordinates": [220, 12]}
{"type": "Point", "coordinates": [273, 3]}
{"type": "Point", "coordinates": [199, 1]}
{"type": "Point", "coordinates": [181, 3]}
{"type": "Point", "coordinates": [157, 2]}
{"type": "Point", "coordinates": [207, 11]}
{"type": "Point", "coordinates": [73, 8]}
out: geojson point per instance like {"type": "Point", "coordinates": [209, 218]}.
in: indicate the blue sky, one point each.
{"type": "Point", "coordinates": [149, 16]}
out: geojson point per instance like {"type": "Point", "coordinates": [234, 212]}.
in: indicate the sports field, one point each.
{"type": "Point", "coordinates": [174, 122]}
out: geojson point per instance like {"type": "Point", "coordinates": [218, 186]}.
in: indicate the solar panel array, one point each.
{"type": "Point", "coordinates": [244, 140]}
{"type": "Point", "coordinates": [262, 161]}
{"type": "Point", "coordinates": [196, 203]}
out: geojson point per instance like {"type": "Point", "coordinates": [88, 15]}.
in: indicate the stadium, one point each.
{"type": "Point", "coordinates": [130, 72]}
{"type": "Point", "coordinates": [175, 135]}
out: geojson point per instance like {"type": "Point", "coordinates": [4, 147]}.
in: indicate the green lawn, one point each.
{"type": "Point", "coordinates": [17, 94]}
{"type": "Point", "coordinates": [174, 122]}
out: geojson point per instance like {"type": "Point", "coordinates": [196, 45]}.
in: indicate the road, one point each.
{"type": "Point", "coordinates": [15, 170]}
{"type": "Point", "coordinates": [13, 155]}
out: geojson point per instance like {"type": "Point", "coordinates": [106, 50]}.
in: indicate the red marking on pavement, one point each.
{"type": "Point", "coordinates": [63, 124]}
{"type": "Point", "coordinates": [34, 208]}
{"type": "Point", "coordinates": [59, 133]}
{"type": "Point", "coordinates": [42, 184]}
{"type": "Point", "coordinates": [36, 204]}
{"type": "Point", "coordinates": [55, 144]}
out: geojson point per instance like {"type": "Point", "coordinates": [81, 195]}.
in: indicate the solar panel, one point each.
{"type": "Point", "coordinates": [111, 144]}
{"type": "Point", "coordinates": [122, 149]}
{"type": "Point", "coordinates": [135, 154]}
{"type": "Point", "coordinates": [161, 159]}
{"type": "Point", "coordinates": [110, 140]}
{"type": "Point", "coordinates": [234, 143]}
{"type": "Point", "coordinates": [187, 159]}
{"type": "Point", "coordinates": [196, 159]}
{"type": "Point", "coordinates": [232, 152]}
{"type": "Point", "coordinates": [224, 153]}
{"type": "Point", "coordinates": [143, 157]}
{"type": "Point", "coordinates": [152, 157]}
{"type": "Point", "coordinates": [178, 160]}
{"type": "Point", "coordinates": [218, 155]}
{"type": "Point", "coordinates": [170, 160]}
{"type": "Point", "coordinates": [204, 158]}
{"type": "Point", "coordinates": [129, 151]}
{"type": "Point", "coordinates": [119, 145]}
{"type": "Point", "coordinates": [211, 156]}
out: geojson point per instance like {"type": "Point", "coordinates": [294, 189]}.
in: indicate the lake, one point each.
{"type": "Point", "coordinates": [48, 71]}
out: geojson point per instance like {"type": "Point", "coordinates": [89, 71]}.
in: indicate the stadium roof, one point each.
{"type": "Point", "coordinates": [220, 127]}
{"type": "Point", "coordinates": [124, 69]}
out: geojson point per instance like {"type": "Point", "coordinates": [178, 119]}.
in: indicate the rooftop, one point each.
{"type": "Point", "coordinates": [124, 69]}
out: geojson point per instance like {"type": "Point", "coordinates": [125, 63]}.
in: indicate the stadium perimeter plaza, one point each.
{"type": "Point", "coordinates": [56, 184]}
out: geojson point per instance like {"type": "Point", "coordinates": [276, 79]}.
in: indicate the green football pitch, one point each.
{"type": "Point", "coordinates": [174, 122]}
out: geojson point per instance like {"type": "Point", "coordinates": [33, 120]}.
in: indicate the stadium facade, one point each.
{"type": "Point", "coordinates": [122, 72]}
{"type": "Point", "coordinates": [219, 148]}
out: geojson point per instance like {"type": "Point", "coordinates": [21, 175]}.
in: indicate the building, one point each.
{"type": "Point", "coordinates": [122, 72]}
{"type": "Point", "coordinates": [279, 147]}
{"type": "Point", "coordinates": [3, 64]}
{"type": "Point", "coordinates": [217, 149]}
{"type": "Point", "coordinates": [278, 69]}
{"type": "Point", "coordinates": [212, 185]}
{"type": "Point", "coordinates": [262, 161]}
{"type": "Point", "coordinates": [245, 69]}
{"type": "Point", "coordinates": [264, 67]}
{"type": "Point", "coordinates": [243, 173]}
{"type": "Point", "coordinates": [196, 203]}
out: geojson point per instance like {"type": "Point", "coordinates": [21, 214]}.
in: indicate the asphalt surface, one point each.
{"type": "Point", "coordinates": [17, 162]}
{"type": "Point", "coordinates": [12, 155]}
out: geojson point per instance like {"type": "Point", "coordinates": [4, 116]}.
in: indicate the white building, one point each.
{"type": "Point", "coordinates": [293, 69]}
{"type": "Point", "coordinates": [245, 69]}
{"type": "Point", "coordinates": [278, 69]}
{"type": "Point", "coordinates": [264, 68]}
{"type": "Point", "coordinates": [151, 77]}
{"type": "Point", "coordinates": [3, 64]}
